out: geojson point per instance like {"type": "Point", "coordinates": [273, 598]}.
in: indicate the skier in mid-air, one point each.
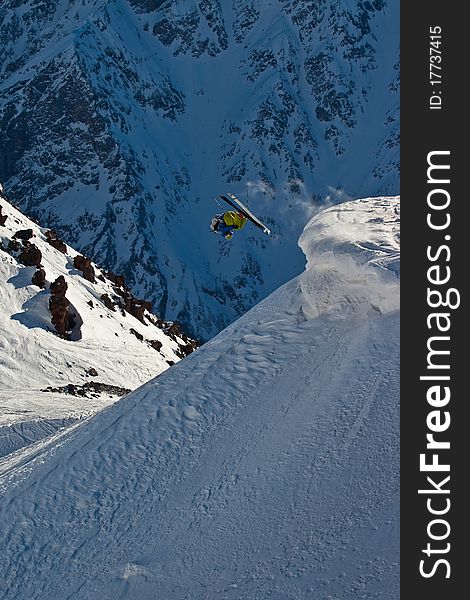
{"type": "Point", "coordinates": [227, 223]}
{"type": "Point", "coordinates": [232, 220]}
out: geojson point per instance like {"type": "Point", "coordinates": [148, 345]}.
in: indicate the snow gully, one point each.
{"type": "Point", "coordinates": [441, 300]}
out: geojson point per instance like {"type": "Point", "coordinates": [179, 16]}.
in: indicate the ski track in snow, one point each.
{"type": "Point", "coordinates": [263, 466]}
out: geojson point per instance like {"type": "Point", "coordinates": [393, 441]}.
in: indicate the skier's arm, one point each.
{"type": "Point", "coordinates": [243, 222]}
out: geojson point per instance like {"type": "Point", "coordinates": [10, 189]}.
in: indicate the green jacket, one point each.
{"type": "Point", "coordinates": [234, 219]}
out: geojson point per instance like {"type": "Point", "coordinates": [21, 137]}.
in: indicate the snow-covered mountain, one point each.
{"type": "Point", "coordinates": [122, 118]}
{"type": "Point", "coordinates": [72, 336]}
{"type": "Point", "coordinates": [265, 464]}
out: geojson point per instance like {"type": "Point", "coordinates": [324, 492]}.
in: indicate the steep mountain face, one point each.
{"type": "Point", "coordinates": [121, 119]}
{"type": "Point", "coordinates": [73, 338]}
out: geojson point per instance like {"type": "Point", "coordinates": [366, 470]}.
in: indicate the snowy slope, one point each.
{"type": "Point", "coordinates": [122, 118]}
{"type": "Point", "coordinates": [108, 350]}
{"type": "Point", "coordinates": [263, 465]}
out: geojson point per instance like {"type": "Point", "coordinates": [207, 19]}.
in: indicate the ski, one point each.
{"type": "Point", "coordinates": [235, 203]}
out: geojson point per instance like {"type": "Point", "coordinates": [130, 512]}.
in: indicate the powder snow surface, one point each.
{"type": "Point", "coordinates": [265, 465]}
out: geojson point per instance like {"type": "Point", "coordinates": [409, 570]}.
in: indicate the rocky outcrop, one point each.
{"type": "Point", "coordinates": [53, 239]}
{"type": "Point", "coordinates": [108, 302]}
{"type": "Point", "coordinates": [84, 265]}
{"type": "Point", "coordinates": [59, 286]}
{"type": "Point", "coordinates": [118, 280]}
{"type": "Point", "coordinates": [141, 310]}
{"type": "Point", "coordinates": [23, 234]}
{"type": "Point", "coordinates": [90, 389]}
{"type": "Point", "coordinates": [185, 349]}
{"type": "Point", "coordinates": [13, 246]}
{"type": "Point", "coordinates": [138, 335]}
{"type": "Point", "coordinates": [22, 249]}
{"type": "Point", "coordinates": [156, 344]}
{"type": "Point", "coordinates": [137, 308]}
{"type": "Point", "coordinates": [39, 278]}
{"type": "Point", "coordinates": [61, 317]}
{"type": "Point", "coordinates": [188, 345]}
{"type": "Point", "coordinates": [104, 313]}
{"type": "Point", "coordinates": [125, 299]}
{"type": "Point", "coordinates": [3, 218]}
{"type": "Point", "coordinates": [173, 330]}
{"type": "Point", "coordinates": [30, 255]}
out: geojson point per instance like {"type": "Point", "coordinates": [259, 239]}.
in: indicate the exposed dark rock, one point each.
{"type": "Point", "coordinates": [59, 307]}
{"type": "Point", "coordinates": [131, 304]}
{"type": "Point", "coordinates": [3, 218]}
{"type": "Point", "coordinates": [156, 344]}
{"type": "Point", "coordinates": [72, 321]}
{"type": "Point", "coordinates": [107, 301]}
{"type": "Point", "coordinates": [39, 278]}
{"type": "Point", "coordinates": [84, 265]}
{"type": "Point", "coordinates": [92, 372]}
{"type": "Point", "coordinates": [59, 286]}
{"type": "Point", "coordinates": [30, 255]}
{"type": "Point", "coordinates": [170, 362]}
{"type": "Point", "coordinates": [23, 234]}
{"type": "Point", "coordinates": [188, 348]}
{"type": "Point", "coordinates": [89, 389]}
{"type": "Point", "coordinates": [138, 335]}
{"type": "Point", "coordinates": [121, 291]}
{"type": "Point", "coordinates": [137, 308]}
{"type": "Point", "coordinates": [13, 246]}
{"type": "Point", "coordinates": [55, 242]}
{"type": "Point", "coordinates": [156, 321]}
{"type": "Point", "coordinates": [118, 280]}
{"type": "Point", "coordinates": [173, 330]}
